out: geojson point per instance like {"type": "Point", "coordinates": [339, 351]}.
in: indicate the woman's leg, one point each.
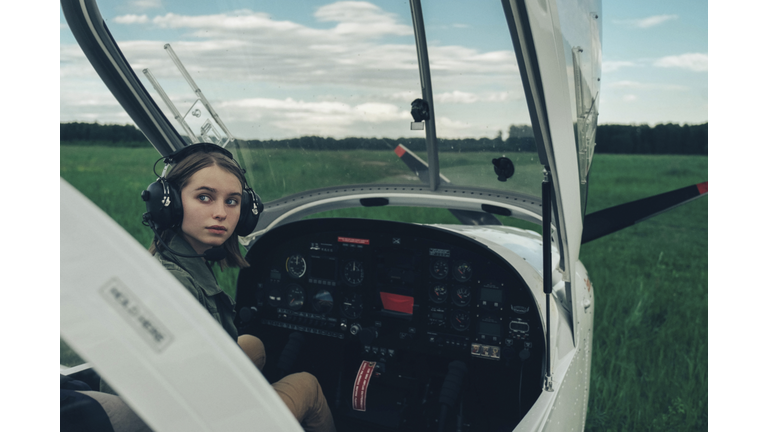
{"type": "Point", "coordinates": [254, 349]}
{"type": "Point", "coordinates": [302, 394]}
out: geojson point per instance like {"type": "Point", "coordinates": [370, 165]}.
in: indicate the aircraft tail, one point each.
{"type": "Point", "coordinates": [610, 220]}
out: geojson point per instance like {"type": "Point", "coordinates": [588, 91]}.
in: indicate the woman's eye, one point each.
{"type": "Point", "coordinates": [204, 198]}
{"type": "Point", "coordinates": [232, 201]}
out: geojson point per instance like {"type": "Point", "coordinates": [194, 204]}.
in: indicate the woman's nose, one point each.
{"type": "Point", "coordinates": [219, 211]}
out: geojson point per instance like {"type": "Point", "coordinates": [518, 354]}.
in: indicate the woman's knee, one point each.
{"type": "Point", "coordinates": [253, 347]}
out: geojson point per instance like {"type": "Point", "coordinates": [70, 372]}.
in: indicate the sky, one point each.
{"type": "Point", "coordinates": [349, 68]}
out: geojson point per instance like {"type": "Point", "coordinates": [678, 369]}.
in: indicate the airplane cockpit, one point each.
{"type": "Point", "coordinates": [406, 270]}
{"type": "Point", "coordinates": [403, 325]}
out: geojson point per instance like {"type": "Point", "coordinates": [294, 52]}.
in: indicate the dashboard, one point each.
{"type": "Point", "coordinates": [409, 298]}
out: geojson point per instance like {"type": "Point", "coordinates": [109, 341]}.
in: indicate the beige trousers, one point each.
{"type": "Point", "coordinates": [300, 391]}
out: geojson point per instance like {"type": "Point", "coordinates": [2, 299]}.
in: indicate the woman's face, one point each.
{"type": "Point", "coordinates": [211, 203]}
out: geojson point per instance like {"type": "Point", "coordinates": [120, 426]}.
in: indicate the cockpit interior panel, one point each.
{"type": "Point", "coordinates": [442, 333]}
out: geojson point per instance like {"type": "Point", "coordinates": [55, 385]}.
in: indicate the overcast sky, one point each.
{"type": "Point", "coordinates": [348, 68]}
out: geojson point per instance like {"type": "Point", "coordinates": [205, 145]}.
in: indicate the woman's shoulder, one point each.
{"type": "Point", "coordinates": [181, 274]}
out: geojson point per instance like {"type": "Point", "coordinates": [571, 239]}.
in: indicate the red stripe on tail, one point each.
{"type": "Point", "coordinates": [702, 188]}
{"type": "Point", "coordinates": [400, 151]}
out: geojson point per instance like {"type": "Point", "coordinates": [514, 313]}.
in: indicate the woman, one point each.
{"type": "Point", "coordinates": [212, 188]}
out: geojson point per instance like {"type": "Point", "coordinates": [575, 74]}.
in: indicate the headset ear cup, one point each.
{"type": "Point", "coordinates": [250, 210]}
{"type": "Point", "coordinates": [163, 202]}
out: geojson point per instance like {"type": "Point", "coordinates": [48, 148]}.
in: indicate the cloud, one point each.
{"type": "Point", "coordinates": [456, 97]}
{"type": "Point", "coordinates": [651, 21]}
{"type": "Point", "coordinates": [629, 98]}
{"type": "Point", "coordinates": [131, 19]}
{"type": "Point", "coordinates": [612, 66]}
{"type": "Point", "coordinates": [361, 19]}
{"type": "Point", "coordinates": [696, 62]}
{"type": "Point", "coordinates": [626, 84]}
{"type": "Point", "coordinates": [312, 117]}
{"type": "Point", "coordinates": [461, 97]}
{"type": "Point", "coordinates": [145, 4]}
{"type": "Point", "coordinates": [344, 79]}
{"type": "Point", "coordinates": [348, 54]}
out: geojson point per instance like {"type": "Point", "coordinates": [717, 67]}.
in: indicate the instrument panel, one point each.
{"type": "Point", "coordinates": [391, 287]}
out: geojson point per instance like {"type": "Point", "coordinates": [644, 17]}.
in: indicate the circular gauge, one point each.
{"type": "Point", "coordinates": [352, 306]}
{"type": "Point", "coordinates": [353, 273]}
{"type": "Point", "coordinates": [275, 297]}
{"type": "Point", "coordinates": [460, 320]}
{"type": "Point", "coordinates": [461, 296]}
{"type": "Point", "coordinates": [322, 302]}
{"type": "Point", "coordinates": [296, 266]}
{"type": "Point", "coordinates": [295, 297]}
{"type": "Point", "coordinates": [462, 271]}
{"type": "Point", "coordinates": [438, 268]}
{"type": "Point", "coordinates": [438, 293]}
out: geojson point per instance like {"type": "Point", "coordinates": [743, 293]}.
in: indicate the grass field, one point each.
{"type": "Point", "coordinates": [649, 364]}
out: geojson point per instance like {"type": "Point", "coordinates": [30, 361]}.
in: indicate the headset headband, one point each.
{"type": "Point", "coordinates": [183, 152]}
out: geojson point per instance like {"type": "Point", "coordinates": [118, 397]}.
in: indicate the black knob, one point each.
{"type": "Point", "coordinates": [247, 314]}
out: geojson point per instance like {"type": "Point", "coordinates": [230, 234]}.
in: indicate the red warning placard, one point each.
{"type": "Point", "coordinates": [360, 392]}
{"type": "Point", "coordinates": [397, 302]}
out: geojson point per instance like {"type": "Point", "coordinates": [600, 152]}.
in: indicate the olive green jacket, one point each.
{"type": "Point", "coordinates": [197, 277]}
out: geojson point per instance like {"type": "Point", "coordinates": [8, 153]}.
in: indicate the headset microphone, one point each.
{"type": "Point", "coordinates": [216, 253]}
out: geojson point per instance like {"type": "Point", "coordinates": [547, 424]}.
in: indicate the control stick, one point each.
{"type": "Point", "coordinates": [449, 394]}
{"type": "Point", "coordinates": [290, 354]}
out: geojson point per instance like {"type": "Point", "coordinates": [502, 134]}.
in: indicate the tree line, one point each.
{"type": "Point", "coordinates": [628, 139]}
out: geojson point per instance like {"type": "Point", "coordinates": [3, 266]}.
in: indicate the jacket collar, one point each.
{"type": "Point", "coordinates": [197, 267]}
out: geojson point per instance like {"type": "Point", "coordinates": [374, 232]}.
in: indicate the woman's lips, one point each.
{"type": "Point", "coordinates": [216, 229]}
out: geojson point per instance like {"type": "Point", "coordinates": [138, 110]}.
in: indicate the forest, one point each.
{"type": "Point", "coordinates": [667, 138]}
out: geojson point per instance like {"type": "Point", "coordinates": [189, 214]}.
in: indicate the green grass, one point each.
{"type": "Point", "coordinates": [649, 364]}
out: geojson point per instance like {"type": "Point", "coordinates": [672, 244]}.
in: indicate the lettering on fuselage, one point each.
{"type": "Point", "coordinates": [128, 306]}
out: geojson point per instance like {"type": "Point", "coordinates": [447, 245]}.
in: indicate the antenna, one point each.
{"type": "Point", "coordinates": [201, 97]}
{"type": "Point", "coordinates": [201, 123]}
{"type": "Point", "coordinates": [171, 106]}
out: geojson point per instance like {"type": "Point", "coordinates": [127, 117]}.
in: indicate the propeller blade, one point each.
{"type": "Point", "coordinates": [612, 219]}
{"type": "Point", "coordinates": [421, 169]}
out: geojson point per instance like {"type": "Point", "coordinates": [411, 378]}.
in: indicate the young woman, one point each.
{"type": "Point", "coordinates": [212, 187]}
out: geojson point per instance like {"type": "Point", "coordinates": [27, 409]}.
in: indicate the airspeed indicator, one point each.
{"type": "Point", "coordinates": [296, 266]}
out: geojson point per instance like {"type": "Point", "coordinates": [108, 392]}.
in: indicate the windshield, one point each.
{"type": "Point", "coordinates": [311, 94]}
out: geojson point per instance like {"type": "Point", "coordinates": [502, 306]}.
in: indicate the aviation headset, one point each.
{"type": "Point", "coordinates": [163, 197]}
